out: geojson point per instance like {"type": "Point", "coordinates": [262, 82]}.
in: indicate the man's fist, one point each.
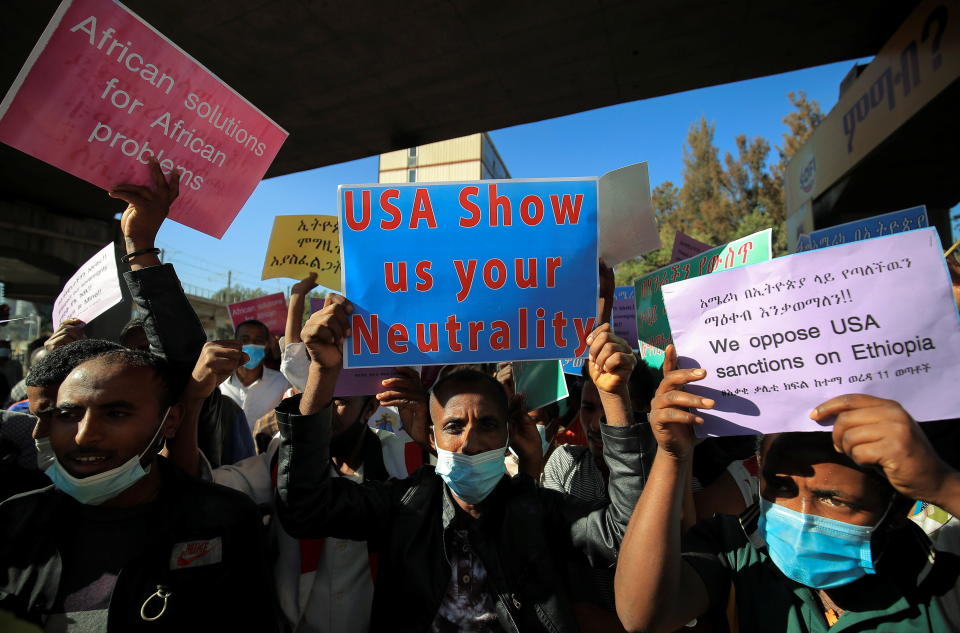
{"type": "Point", "coordinates": [217, 361]}
{"type": "Point", "coordinates": [611, 360]}
{"type": "Point", "coordinates": [146, 208]}
{"type": "Point", "coordinates": [326, 330]}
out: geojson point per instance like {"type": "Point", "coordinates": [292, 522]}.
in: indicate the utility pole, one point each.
{"type": "Point", "coordinates": [229, 278]}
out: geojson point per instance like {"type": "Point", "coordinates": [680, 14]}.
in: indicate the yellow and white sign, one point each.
{"type": "Point", "coordinates": [304, 244]}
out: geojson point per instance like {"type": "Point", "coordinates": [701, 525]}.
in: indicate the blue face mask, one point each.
{"type": "Point", "coordinates": [815, 551]}
{"type": "Point", "coordinates": [256, 354]}
{"type": "Point", "coordinates": [96, 489]}
{"type": "Point", "coordinates": [471, 477]}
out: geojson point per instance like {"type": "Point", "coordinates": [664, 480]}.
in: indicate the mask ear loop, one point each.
{"type": "Point", "coordinates": [153, 440]}
{"type": "Point", "coordinates": [876, 528]}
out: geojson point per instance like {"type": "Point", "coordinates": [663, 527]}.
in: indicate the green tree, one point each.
{"type": "Point", "coordinates": [722, 200]}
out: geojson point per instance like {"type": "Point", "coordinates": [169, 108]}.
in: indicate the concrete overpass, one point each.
{"type": "Point", "coordinates": [355, 79]}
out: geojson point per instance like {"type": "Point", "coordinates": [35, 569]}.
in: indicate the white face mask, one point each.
{"type": "Point", "coordinates": [45, 454]}
{"type": "Point", "coordinates": [96, 489]}
{"type": "Point", "coordinates": [471, 477]}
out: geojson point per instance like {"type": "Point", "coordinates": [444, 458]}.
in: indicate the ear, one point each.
{"type": "Point", "coordinates": [432, 440]}
{"type": "Point", "coordinates": [172, 423]}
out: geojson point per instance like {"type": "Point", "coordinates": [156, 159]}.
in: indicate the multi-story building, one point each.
{"type": "Point", "coordinates": [472, 157]}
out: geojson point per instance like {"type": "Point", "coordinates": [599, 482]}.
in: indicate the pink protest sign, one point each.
{"type": "Point", "coordinates": [780, 337]}
{"type": "Point", "coordinates": [93, 289]}
{"type": "Point", "coordinates": [271, 310]}
{"type": "Point", "coordinates": [103, 92]}
{"type": "Point", "coordinates": [685, 247]}
{"type": "Point", "coordinates": [625, 315]}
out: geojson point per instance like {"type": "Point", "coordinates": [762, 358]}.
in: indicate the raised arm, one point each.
{"type": "Point", "coordinates": [655, 590]}
{"type": "Point", "coordinates": [310, 502]}
{"type": "Point", "coordinates": [294, 361]}
{"type": "Point", "coordinates": [596, 528]}
{"type": "Point", "coordinates": [171, 325]}
{"type": "Point", "coordinates": [298, 299]}
{"type": "Point", "coordinates": [217, 361]}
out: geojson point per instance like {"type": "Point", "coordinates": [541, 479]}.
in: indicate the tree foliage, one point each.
{"type": "Point", "coordinates": [724, 199]}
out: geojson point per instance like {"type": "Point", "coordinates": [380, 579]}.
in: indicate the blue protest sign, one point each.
{"type": "Point", "coordinates": [877, 226]}
{"type": "Point", "coordinates": [573, 366]}
{"type": "Point", "coordinates": [469, 272]}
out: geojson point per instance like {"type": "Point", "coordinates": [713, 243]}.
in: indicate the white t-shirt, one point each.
{"type": "Point", "coordinates": [260, 398]}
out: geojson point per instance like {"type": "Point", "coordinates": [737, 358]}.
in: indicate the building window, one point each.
{"type": "Point", "coordinates": [412, 152]}
{"type": "Point", "coordinates": [411, 175]}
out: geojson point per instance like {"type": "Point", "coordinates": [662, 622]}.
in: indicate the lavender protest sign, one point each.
{"type": "Point", "coordinates": [363, 382]}
{"type": "Point", "coordinates": [779, 338]}
{"type": "Point", "coordinates": [624, 315]}
{"type": "Point", "coordinates": [93, 289]}
{"type": "Point", "coordinates": [685, 247]}
{"type": "Point", "coordinates": [653, 328]}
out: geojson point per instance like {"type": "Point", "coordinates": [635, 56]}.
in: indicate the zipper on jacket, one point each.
{"type": "Point", "coordinates": [162, 593]}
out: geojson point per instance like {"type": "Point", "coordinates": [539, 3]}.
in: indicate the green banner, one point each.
{"type": "Point", "coordinates": [653, 328]}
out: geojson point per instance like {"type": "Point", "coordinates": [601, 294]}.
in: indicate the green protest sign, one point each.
{"type": "Point", "coordinates": [541, 381]}
{"type": "Point", "coordinates": [653, 328]}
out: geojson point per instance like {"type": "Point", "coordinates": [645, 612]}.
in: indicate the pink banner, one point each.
{"type": "Point", "coordinates": [781, 337]}
{"type": "Point", "coordinates": [271, 310]}
{"type": "Point", "coordinates": [685, 247]}
{"type": "Point", "coordinates": [102, 92]}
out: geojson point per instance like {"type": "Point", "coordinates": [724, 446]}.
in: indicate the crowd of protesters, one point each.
{"type": "Point", "coordinates": [161, 482]}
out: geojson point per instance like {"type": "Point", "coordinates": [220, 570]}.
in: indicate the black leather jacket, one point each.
{"type": "Point", "coordinates": [175, 332]}
{"type": "Point", "coordinates": [524, 537]}
{"type": "Point", "coordinates": [235, 594]}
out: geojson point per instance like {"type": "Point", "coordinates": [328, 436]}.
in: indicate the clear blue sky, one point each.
{"type": "Point", "coordinates": [585, 144]}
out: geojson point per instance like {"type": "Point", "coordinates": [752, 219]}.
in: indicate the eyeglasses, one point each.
{"type": "Point", "coordinates": [953, 253]}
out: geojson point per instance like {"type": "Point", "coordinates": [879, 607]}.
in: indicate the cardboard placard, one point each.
{"type": "Point", "coordinates": [103, 92]}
